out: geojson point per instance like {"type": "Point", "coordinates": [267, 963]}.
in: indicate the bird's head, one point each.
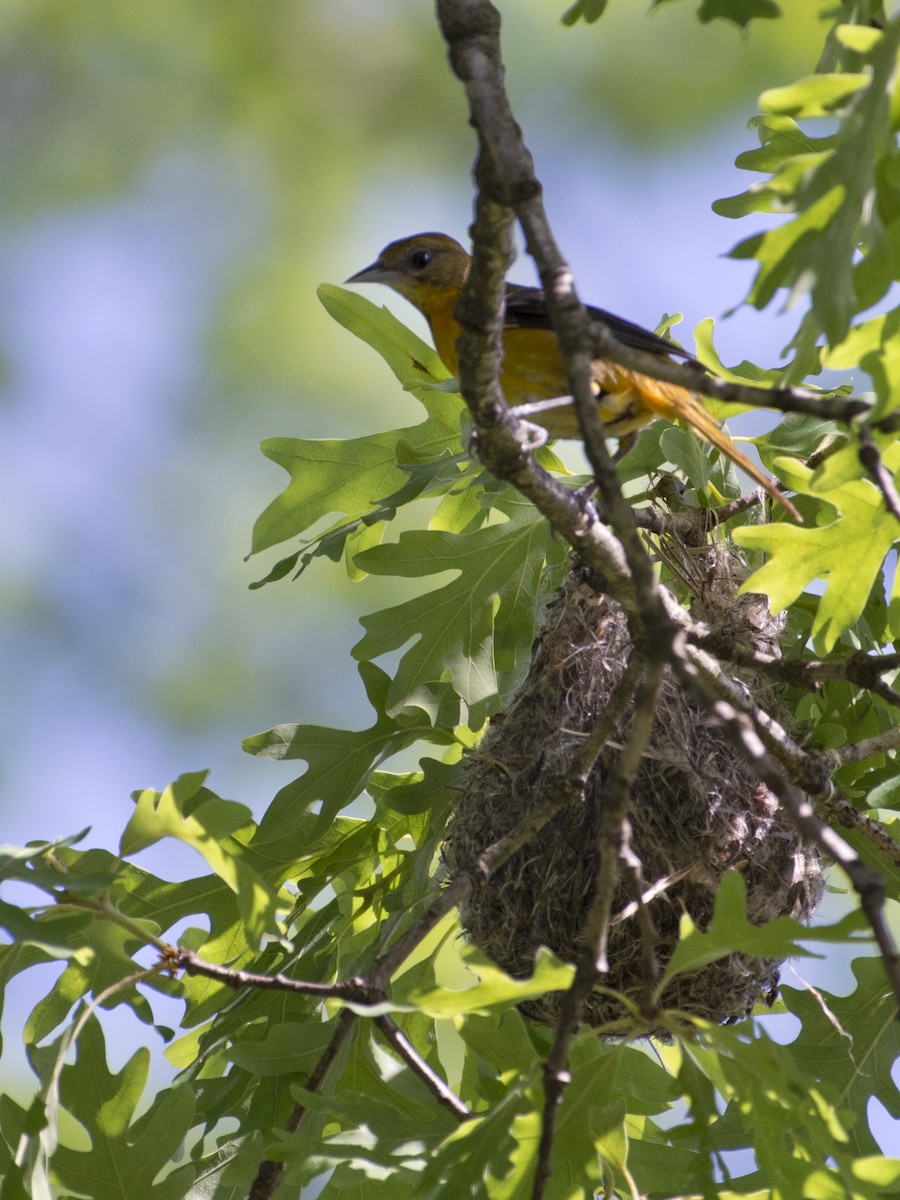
{"type": "Point", "coordinates": [425, 269]}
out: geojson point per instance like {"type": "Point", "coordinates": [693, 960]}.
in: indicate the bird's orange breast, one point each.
{"type": "Point", "coordinates": [533, 369]}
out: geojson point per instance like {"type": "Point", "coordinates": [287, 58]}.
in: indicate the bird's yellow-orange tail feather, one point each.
{"type": "Point", "coordinates": [677, 404]}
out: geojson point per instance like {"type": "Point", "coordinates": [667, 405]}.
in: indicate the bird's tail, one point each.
{"type": "Point", "coordinates": [678, 404]}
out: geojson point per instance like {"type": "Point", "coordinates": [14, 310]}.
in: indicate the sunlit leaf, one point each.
{"type": "Point", "coordinates": [479, 622]}
{"type": "Point", "coordinates": [846, 553]}
{"type": "Point", "coordinates": [351, 477]}
{"type": "Point", "coordinates": [188, 812]}
{"type": "Point", "coordinates": [494, 987]}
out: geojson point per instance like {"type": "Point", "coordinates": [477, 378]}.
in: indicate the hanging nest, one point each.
{"type": "Point", "coordinates": [696, 810]}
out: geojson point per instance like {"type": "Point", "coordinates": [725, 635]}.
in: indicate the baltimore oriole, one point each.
{"type": "Point", "coordinates": [430, 269]}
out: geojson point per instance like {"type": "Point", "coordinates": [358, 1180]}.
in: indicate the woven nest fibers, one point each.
{"type": "Point", "coordinates": [696, 810]}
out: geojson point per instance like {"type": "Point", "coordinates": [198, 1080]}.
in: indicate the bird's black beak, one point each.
{"type": "Point", "coordinates": [376, 273]}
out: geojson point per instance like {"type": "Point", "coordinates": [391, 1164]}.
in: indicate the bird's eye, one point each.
{"type": "Point", "coordinates": [419, 259]}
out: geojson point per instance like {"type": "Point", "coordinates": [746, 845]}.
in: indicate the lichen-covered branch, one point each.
{"type": "Point", "coordinates": [864, 670]}
{"type": "Point", "coordinates": [879, 743]}
{"type": "Point", "coordinates": [506, 179]}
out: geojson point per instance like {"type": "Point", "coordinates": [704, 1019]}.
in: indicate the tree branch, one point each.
{"type": "Point", "coordinates": [864, 670]}
{"type": "Point", "coordinates": [404, 1047]}
{"type": "Point", "coordinates": [867, 883]}
{"type": "Point", "coordinates": [359, 991]}
{"type": "Point", "coordinates": [506, 180]}
{"type": "Point", "coordinates": [784, 399]}
{"type": "Point", "coordinates": [870, 457]}
{"type": "Point", "coordinates": [504, 444]}
{"type": "Point", "coordinates": [880, 743]}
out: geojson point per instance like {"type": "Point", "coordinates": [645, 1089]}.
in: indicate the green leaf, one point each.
{"type": "Point", "coordinates": [124, 1158]}
{"type": "Point", "coordinates": [39, 864]}
{"type": "Point", "coordinates": [584, 10]}
{"type": "Point", "coordinates": [105, 961]}
{"type": "Point", "coordinates": [846, 553]}
{"type": "Point", "coordinates": [814, 96]}
{"type": "Point", "coordinates": [339, 765]}
{"type": "Point", "coordinates": [353, 476]}
{"type": "Point", "coordinates": [191, 814]}
{"type": "Point", "coordinates": [383, 1115]}
{"type": "Point", "coordinates": [285, 1050]}
{"type": "Point", "coordinates": [12, 1128]}
{"type": "Point", "coordinates": [494, 1148]}
{"type": "Point", "coordinates": [591, 1122]}
{"type": "Point", "coordinates": [842, 200]}
{"type": "Point", "coordinates": [773, 1107]}
{"type": "Point", "coordinates": [783, 252]}
{"type": "Point", "coordinates": [708, 479]}
{"type": "Point", "coordinates": [875, 346]}
{"type": "Point", "coordinates": [416, 364]}
{"type": "Point", "coordinates": [499, 1038]}
{"type": "Point", "coordinates": [494, 989]}
{"type": "Point", "coordinates": [429, 790]}
{"type": "Point", "coordinates": [798, 436]}
{"type": "Point", "coordinates": [741, 12]}
{"type": "Point", "coordinates": [861, 39]}
{"type": "Point", "coordinates": [730, 932]}
{"type": "Point", "coordinates": [57, 938]}
{"type": "Point", "coordinates": [480, 622]}
{"type": "Point", "coordinates": [851, 1044]}
{"type": "Point", "coordinates": [746, 372]}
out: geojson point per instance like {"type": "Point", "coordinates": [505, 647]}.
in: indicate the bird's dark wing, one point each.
{"type": "Point", "coordinates": [527, 309]}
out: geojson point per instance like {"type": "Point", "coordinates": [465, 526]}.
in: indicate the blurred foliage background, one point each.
{"type": "Point", "coordinates": [176, 179]}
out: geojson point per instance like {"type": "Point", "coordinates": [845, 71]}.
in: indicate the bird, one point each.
{"type": "Point", "coordinates": [430, 269]}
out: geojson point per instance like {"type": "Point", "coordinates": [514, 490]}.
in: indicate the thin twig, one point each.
{"type": "Point", "coordinates": [888, 694]}
{"type": "Point", "coordinates": [711, 517]}
{"type": "Point", "coordinates": [647, 895]}
{"type": "Point", "coordinates": [811, 771]}
{"type": "Point", "coordinates": [616, 793]}
{"type": "Point", "coordinates": [589, 751]}
{"type": "Point", "coordinates": [270, 1171]}
{"type": "Point", "coordinates": [838, 810]}
{"type": "Point", "coordinates": [870, 458]}
{"type": "Point", "coordinates": [358, 991]}
{"type": "Point", "coordinates": [863, 669]}
{"type": "Point", "coordinates": [416, 1063]}
{"type": "Point", "coordinates": [650, 968]}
